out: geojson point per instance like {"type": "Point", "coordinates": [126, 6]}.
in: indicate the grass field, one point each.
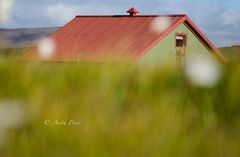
{"type": "Point", "coordinates": [115, 110]}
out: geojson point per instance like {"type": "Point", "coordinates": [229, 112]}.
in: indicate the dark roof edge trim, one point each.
{"type": "Point", "coordinates": [204, 39]}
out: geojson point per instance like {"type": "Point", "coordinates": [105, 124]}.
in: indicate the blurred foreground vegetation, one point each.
{"type": "Point", "coordinates": [118, 110]}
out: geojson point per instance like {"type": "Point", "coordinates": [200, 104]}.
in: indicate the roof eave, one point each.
{"type": "Point", "coordinates": [205, 40]}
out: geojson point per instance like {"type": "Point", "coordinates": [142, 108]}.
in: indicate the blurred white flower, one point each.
{"type": "Point", "coordinates": [46, 48]}
{"type": "Point", "coordinates": [160, 24]}
{"type": "Point", "coordinates": [203, 71]}
{"type": "Point", "coordinates": [12, 115]}
{"type": "Point", "coordinates": [5, 10]}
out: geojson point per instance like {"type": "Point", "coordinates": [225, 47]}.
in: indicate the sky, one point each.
{"type": "Point", "coordinates": [218, 19]}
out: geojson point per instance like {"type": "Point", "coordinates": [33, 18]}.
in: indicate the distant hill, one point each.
{"type": "Point", "coordinates": [23, 37]}
{"type": "Point", "coordinates": [232, 52]}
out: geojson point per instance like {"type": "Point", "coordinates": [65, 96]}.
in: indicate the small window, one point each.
{"type": "Point", "coordinates": [181, 40]}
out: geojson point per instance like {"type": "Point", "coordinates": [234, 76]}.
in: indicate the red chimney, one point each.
{"type": "Point", "coordinates": [133, 11]}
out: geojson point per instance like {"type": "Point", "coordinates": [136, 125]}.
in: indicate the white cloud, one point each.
{"type": "Point", "coordinates": [60, 13]}
{"type": "Point", "coordinates": [5, 10]}
{"type": "Point", "coordinates": [231, 17]}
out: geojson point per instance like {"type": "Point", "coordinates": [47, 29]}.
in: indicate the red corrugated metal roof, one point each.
{"type": "Point", "coordinates": [95, 37]}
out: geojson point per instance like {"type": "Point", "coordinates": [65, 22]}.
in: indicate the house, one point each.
{"type": "Point", "coordinates": [143, 38]}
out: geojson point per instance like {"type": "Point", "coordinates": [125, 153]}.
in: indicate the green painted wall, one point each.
{"type": "Point", "coordinates": [165, 51]}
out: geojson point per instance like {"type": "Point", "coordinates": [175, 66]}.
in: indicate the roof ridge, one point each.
{"type": "Point", "coordinates": [150, 15]}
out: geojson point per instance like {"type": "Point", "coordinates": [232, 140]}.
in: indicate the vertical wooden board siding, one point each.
{"type": "Point", "coordinates": [165, 51]}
